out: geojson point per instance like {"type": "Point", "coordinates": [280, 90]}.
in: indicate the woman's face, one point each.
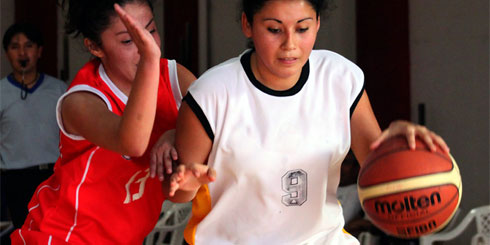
{"type": "Point", "coordinates": [283, 32]}
{"type": "Point", "coordinates": [118, 52]}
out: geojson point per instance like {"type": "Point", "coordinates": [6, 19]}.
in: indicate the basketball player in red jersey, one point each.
{"type": "Point", "coordinates": [116, 108]}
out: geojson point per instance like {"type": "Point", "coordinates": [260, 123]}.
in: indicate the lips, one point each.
{"type": "Point", "coordinates": [288, 60]}
{"type": "Point", "coordinates": [23, 63]}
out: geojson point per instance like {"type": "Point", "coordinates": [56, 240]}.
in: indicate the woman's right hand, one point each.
{"type": "Point", "coordinates": [142, 38]}
{"type": "Point", "coordinates": [411, 131]}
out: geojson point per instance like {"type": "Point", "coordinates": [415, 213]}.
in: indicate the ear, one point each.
{"type": "Point", "coordinates": [93, 48]}
{"type": "Point", "coordinates": [246, 26]}
{"type": "Point", "coordinates": [318, 24]}
{"type": "Point", "coordinates": [39, 52]}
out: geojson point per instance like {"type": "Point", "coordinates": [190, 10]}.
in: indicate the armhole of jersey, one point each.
{"type": "Point", "coordinates": [174, 82]}
{"type": "Point", "coordinates": [358, 97]}
{"type": "Point", "coordinates": [77, 88]}
{"type": "Point", "coordinates": [200, 114]}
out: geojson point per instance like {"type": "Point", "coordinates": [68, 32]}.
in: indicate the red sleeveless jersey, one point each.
{"type": "Point", "coordinates": [95, 195]}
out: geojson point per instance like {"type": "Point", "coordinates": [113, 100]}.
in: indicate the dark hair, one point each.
{"type": "Point", "coordinates": [91, 17]}
{"type": "Point", "coordinates": [28, 29]}
{"type": "Point", "coordinates": [251, 7]}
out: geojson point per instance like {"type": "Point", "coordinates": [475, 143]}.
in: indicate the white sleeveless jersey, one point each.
{"type": "Point", "coordinates": [277, 153]}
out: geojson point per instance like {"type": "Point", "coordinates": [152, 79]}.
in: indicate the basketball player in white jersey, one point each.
{"type": "Point", "coordinates": [275, 123]}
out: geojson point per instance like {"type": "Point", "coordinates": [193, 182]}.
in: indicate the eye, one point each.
{"type": "Point", "coordinates": [153, 31]}
{"type": "Point", "coordinates": [126, 41]}
{"type": "Point", "coordinates": [302, 30]}
{"type": "Point", "coordinates": [273, 30]}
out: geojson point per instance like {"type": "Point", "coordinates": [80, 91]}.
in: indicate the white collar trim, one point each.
{"type": "Point", "coordinates": [111, 85]}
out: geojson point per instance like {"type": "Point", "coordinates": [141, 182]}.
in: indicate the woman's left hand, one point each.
{"type": "Point", "coordinates": [162, 155]}
{"type": "Point", "coordinates": [191, 177]}
{"type": "Point", "coordinates": [411, 131]}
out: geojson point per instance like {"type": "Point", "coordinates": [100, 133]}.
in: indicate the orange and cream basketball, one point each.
{"type": "Point", "coordinates": [409, 193]}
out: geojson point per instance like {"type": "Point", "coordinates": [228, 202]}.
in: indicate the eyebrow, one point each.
{"type": "Point", "coordinates": [146, 26]}
{"type": "Point", "coordinates": [18, 43]}
{"type": "Point", "coordinates": [280, 22]}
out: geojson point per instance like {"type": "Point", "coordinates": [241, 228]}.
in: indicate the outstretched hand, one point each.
{"type": "Point", "coordinates": [411, 131]}
{"type": "Point", "coordinates": [142, 38]}
{"type": "Point", "coordinates": [191, 177]}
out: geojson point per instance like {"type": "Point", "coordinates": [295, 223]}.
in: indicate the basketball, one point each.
{"type": "Point", "coordinates": [409, 193]}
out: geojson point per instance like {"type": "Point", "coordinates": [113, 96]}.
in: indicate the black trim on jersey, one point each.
{"type": "Point", "coordinates": [31, 90]}
{"type": "Point", "coordinates": [199, 113]}
{"type": "Point", "coordinates": [354, 105]}
{"type": "Point", "coordinates": [305, 72]}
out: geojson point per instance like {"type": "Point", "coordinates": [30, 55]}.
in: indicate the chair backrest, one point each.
{"type": "Point", "coordinates": [170, 227]}
{"type": "Point", "coordinates": [482, 237]}
{"type": "Point", "coordinates": [366, 238]}
{"type": "Point", "coordinates": [482, 217]}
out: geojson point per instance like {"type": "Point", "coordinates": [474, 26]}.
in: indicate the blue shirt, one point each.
{"type": "Point", "coordinates": [29, 134]}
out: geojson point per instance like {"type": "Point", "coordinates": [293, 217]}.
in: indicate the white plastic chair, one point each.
{"type": "Point", "coordinates": [6, 227]}
{"type": "Point", "coordinates": [172, 223]}
{"type": "Point", "coordinates": [482, 236]}
{"type": "Point", "coordinates": [366, 238]}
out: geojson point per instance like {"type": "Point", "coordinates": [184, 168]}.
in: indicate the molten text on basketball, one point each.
{"type": "Point", "coordinates": [407, 204]}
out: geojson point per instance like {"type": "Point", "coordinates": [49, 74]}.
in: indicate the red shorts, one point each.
{"type": "Point", "coordinates": [23, 236]}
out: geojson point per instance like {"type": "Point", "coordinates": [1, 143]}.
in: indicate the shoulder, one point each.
{"type": "Point", "coordinates": [8, 93]}
{"type": "Point", "coordinates": [55, 81]}
{"type": "Point", "coordinates": [179, 75]}
{"type": "Point", "coordinates": [184, 74]}
{"type": "Point", "coordinates": [334, 62]}
{"type": "Point", "coordinates": [220, 75]}
{"type": "Point", "coordinates": [7, 81]}
{"type": "Point", "coordinates": [341, 73]}
{"type": "Point", "coordinates": [88, 73]}
{"type": "Point", "coordinates": [53, 84]}
{"type": "Point", "coordinates": [3, 82]}
{"type": "Point", "coordinates": [173, 67]}
{"type": "Point", "coordinates": [323, 54]}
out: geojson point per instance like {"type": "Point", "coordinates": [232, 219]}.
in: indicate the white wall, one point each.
{"type": "Point", "coordinates": [223, 31]}
{"type": "Point", "coordinates": [226, 39]}
{"type": "Point", "coordinates": [203, 37]}
{"type": "Point", "coordinates": [337, 32]}
{"type": "Point", "coordinates": [449, 42]}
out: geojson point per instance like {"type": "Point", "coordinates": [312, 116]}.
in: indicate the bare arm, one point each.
{"type": "Point", "coordinates": [86, 115]}
{"type": "Point", "coordinates": [364, 128]}
{"type": "Point", "coordinates": [191, 140]}
{"type": "Point", "coordinates": [193, 145]}
{"type": "Point", "coordinates": [366, 134]}
{"type": "Point", "coordinates": [163, 152]}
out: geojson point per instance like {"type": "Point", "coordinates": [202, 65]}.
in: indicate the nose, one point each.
{"type": "Point", "coordinates": [22, 52]}
{"type": "Point", "coordinates": [289, 42]}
